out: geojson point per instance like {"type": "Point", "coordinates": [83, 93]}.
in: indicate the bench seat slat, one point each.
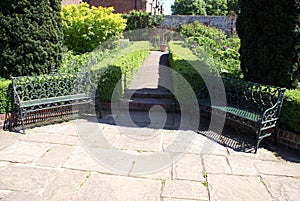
{"type": "Point", "coordinates": [54, 100]}
{"type": "Point", "coordinates": [232, 110]}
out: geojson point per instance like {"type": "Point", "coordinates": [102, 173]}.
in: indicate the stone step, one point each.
{"type": "Point", "coordinates": [139, 104]}
{"type": "Point", "coordinates": [149, 93]}
{"type": "Point", "coordinates": [145, 104]}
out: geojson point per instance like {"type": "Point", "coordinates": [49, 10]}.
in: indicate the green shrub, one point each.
{"type": "Point", "coordinates": [270, 41]}
{"type": "Point", "coordinates": [216, 7]}
{"type": "Point", "coordinates": [290, 113]}
{"type": "Point", "coordinates": [6, 96]}
{"type": "Point", "coordinates": [86, 28]}
{"type": "Point", "coordinates": [222, 50]}
{"type": "Point", "coordinates": [140, 20]}
{"type": "Point", "coordinates": [119, 66]}
{"type": "Point", "coordinates": [30, 37]}
{"type": "Point", "coordinates": [188, 7]}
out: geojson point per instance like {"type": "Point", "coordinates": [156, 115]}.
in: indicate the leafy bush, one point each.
{"type": "Point", "coordinates": [85, 28]}
{"type": "Point", "coordinates": [119, 66]}
{"type": "Point", "coordinates": [270, 41]}
{"type": "Point", "coordinates": [140, 20]}
{"type": "Point", "coordinates": [216, 7]}
{"type": "Point", "coordinates": [30, 37]}
{"type": "Point", "coordinates": [222, 50]}
{"type": "Point", "coordinates": [188, 7]}
{"type": "Point", "coordinates": [82, 62]}
{"type": "Point", "coordinates": [6, 96]}
{"type": "Point", "coordinates": [290, 113]}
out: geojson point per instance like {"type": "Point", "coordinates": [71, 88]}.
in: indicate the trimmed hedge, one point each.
{"type": "Point", "coordinates": [120, 66]}
{"type": "Point", "coordinates": [290, 113]}
{"type": "Point", "coordinates": [6, 96]}
{"type": "Point", "coordinates": [183, 61]}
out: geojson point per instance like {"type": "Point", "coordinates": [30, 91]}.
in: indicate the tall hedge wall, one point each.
{"type": "Point", "coordinates": [30, 37]}
{"type": "Point", "coordinates": [270, 41]}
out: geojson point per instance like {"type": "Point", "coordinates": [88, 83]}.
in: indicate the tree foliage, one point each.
{"type": "Point", "coordinates": [216, 7]}
{"type": "Point", "coordinates": [188, 7]}
{"type": "Point", "coordinates": [270, 41]}
{"type": "Point", "coordinates": [85, 28]}
{"type": "Point", "coordinates": [140, 20]}
{"type": "Point", "coordinates": [30, 37]}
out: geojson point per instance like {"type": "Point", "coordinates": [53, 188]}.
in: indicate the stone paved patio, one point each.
{"type": "Point", "coordinates": [51, 163]}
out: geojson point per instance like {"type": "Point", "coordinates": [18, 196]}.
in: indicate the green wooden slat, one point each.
{"type": "Point", "coordinates": [54, 100]}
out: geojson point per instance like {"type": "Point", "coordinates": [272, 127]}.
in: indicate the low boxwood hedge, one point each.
{"type": "Point", "coordinates": [6, 96]}
{"type": "Point", "coordinates": [290, 113]}
{"type": "Point", "coordinates": [119, 68]}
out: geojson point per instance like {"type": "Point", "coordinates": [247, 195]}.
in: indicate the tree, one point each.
{"type": "Point", "coordinates": [216, 7]}
{"type": "Point", "coordinates": [188, 7]}
{"type": "Point", "coordinates": [232, 7]}
{"type": "Point", "coordinates": [270, 41]}
{"type": "Point", "coordinates": [30, 37]}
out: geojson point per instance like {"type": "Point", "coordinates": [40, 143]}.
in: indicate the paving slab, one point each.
{"type": "Point", "coordinates": [278, 168]}
{"type": "Point", "coordinates": [216, 164]}
{"type": "Point", "coordinates": [24, 152]}
{"type": "Point", "coordinates": [154, 165]}
{"type": "Point", "coordinates": [6, 195]}
{"type": "Point", "coordinates": [55, 156]}
{"type": "Point", "coordinates": [242, 165]}
{"type": "Point", "coordinates": [26, 178]}
{"type": "Point", "coordinates": [231, 187]}
{"type": "Point", "coordinates": [283, 188]}
{"type": "Point", "coordinates": [7, 138]}
{"type": "Point", "coordinates": [141, 142]}
{"type": "Point", "coordinates": [118, 188]}
{"type": "Point", "coordinates": [184, 190]}
{"type": "Point", "coordinates": [51, 138]}
{"type": "Point", "coordinates": [65, 185]}
{"type": "Point", "coordinates": [189, 167]}
{"type": "Point", "coordinates": [80, 159]}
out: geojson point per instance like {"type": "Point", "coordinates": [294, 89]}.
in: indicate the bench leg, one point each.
{"type": "Point", "coordinates": [22, 117]}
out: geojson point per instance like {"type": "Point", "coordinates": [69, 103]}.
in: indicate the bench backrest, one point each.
{"type": "Point", "coordinates": [53, 85]}
{"type": "Point", "coordinates": [251, 96]}
{"type": "Point", "coordinates": [246, 95]}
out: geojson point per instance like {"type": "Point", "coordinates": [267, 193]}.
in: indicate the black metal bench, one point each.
{"type": "Point", "coordinates": [253, 105]}
{"type": "Point", "coordinates": [37, 94]}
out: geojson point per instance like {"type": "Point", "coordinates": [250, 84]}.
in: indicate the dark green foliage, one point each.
{"type": "Point", "coordinates": [30, 37]}
{"type": "Point", "coordinates": [270, 41]}
{"type": "Point", "coordinates": [185, 63]}
{"type": "Point", "coordinates": [6, 96]}
{"type": "Point", "coordinates": [290, 113]}
{"type": "Point", "coordinates": [118, 74]}
{"type": "Point", "coordinates": [140, 20]}
{"type": "Point", "coordinates": [232, 7]}
{"type": "Point", "coordinates": [188, 7]}
{"type": "Point", "coordinates": [216, 7]}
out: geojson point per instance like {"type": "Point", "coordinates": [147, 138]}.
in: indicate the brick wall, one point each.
{"type": "Point", "coordinates": [120, 6]}
{"type": "Point", "coordinates": [288, 139]}
{"type": "Point", "coordinates": [68, 2]}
